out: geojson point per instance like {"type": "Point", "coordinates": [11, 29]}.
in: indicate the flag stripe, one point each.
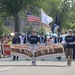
{"type": "Point", "coordinates": [33, 18]}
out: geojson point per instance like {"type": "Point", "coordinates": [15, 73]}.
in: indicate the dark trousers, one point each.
{"type": "Point", "coordinates": [15, 57]}
{"type": "Point", "coordinates": [74, 51]}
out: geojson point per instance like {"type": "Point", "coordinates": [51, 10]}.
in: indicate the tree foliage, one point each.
{"type": "Point", "coordinates": [3, 28]}
{"type": "Point", "coordinates": [1, 25]}
{"type": "Point", "coordinates": [13, 7]}
{"type": "Point", "coordinates": [64, 8]}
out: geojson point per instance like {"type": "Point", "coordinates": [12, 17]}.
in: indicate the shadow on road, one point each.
{"type": "Point", "coordinates": [34, 66]}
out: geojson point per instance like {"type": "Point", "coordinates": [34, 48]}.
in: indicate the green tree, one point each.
{"type": "Point", "coordinates": [13, 7]}
{"type": "Point", "coordinates": [3, 28]}
{"type": "Point", "coordinates": [41, 30]}
{"type": "Point", "coordinates": [64, 9]}
{"type": "Point", "coordinates": [1, 25]}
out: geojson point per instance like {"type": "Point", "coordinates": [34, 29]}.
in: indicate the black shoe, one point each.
{"type": "Point", "coordinates": [17, 57]}
{"type": "Point", "coordinates": [26, 59]}
{"type": "Point", "coordinates": [59, 58]}
{"type": "Point", "coordinates": [14, 57]}
{"type": "Point", "coordinates": [69, 63]}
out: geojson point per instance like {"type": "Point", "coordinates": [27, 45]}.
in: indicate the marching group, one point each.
{"type": "Point", "coordinates": [33, 38]}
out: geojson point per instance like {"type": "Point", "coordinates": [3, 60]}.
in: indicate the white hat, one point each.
{"type": "Point", "coordinates": [70, 30]}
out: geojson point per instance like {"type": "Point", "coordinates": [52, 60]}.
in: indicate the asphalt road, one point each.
{"type": "Point", "coordinates": [42, 68]}
{"type": "Point", "coordinates": [50, 66]}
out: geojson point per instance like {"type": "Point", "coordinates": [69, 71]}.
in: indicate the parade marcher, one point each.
{"type": "Point", "coordinates": [69, 40]}
{"type": "Point", "coordinates": [55, 39]}
{"type": "Point", "coordinates": [15, 40]}
{"type": "Point", "coordinates": [42, 38]}
{"type": "Point", "coordinates": [33, 40]}
{"type": "Point", "coordinates": [50, 40]}
{"type": "Point", "coordinates": [59, 40]}
{"type": "Point", "coordinates": [74, 50]}
{"type": "Point", "coordinates": [21, 38]}
{"type": "Point", "coordinates": [26, 38]}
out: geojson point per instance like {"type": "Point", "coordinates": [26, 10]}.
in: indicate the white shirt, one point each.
{"type": "Point", "coordinates": [21, 40]}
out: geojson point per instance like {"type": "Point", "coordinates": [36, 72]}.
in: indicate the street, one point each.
{"type": "Point", "coordinates": [21, 67]}
{"type": "Point", "coordinates": [37, 37]}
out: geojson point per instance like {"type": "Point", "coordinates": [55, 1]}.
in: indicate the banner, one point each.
{"type": "Point", "coordinates": [22, 49]}
{"type": "Point", "coordinates": [6, 49]}
{"type": "Point", "coordinates": [36, 50]}
{"type": "Point", "coordinates": [49, 49]}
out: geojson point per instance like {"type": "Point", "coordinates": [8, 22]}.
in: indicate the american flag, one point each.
{"type": "Point", "coordinates": [32, 18]}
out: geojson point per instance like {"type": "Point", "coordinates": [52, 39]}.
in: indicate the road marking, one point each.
{"type": "Point", "coordinates": [4, 69]}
